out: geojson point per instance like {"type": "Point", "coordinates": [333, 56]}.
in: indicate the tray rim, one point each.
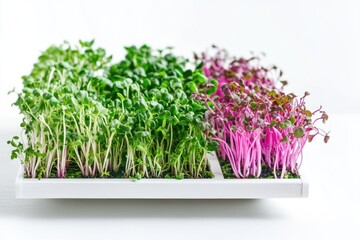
{"type": "Point", "coordinates": [299, 186]}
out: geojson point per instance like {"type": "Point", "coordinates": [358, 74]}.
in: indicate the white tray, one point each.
{"type": "Point", "coordinates": [215, 188]}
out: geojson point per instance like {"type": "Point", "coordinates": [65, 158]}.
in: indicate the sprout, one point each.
{"type": "Point", "coordinates": [255, 122]}
{"type": "Point", "coordinates": [154, 115]}
{"type": "Point", "coordinates": [84, 116]}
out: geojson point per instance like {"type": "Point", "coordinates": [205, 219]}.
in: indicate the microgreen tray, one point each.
{"type": "Point", "coordinates": [214, 188]}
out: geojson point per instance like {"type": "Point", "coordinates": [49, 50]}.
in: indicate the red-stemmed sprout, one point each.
{"type": "Point", "coordinates": [255, 122]}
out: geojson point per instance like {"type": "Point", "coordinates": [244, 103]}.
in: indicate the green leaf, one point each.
{"type": "Point", "coordinates": [167, 97]}
{"type": "Point", "coordinates": [127, 103]}
{"type": "Point", "coordinates": [13, 155]}
{"type": "Point", "coordinates": [164, 115]}
{"type": "Point", "coordinates": [272, 123]}
{"type": "Point", "coordinates": [284, 139]}
{"type": "Point", "coordinates": [146, 83]}
{"type": "Point", "coordinates": [211, 90]}
{"type": "Point", "coordinates": [308, 113]}
{"type": "Point", "coordinates": [199, 78]}
{"type": "Point", "coordinates": [137, 176]}
{"type": "Point", "coordinates": [124, 128]}
{"type": "Point", "coordinates": [47, 95]}
{"type": "Point", "coordinates": [299, 132]}
{"type": "Point", "coordinates": [191, 86]}
{"type": "Point", "coordinates": [200, 65]}
{"type": "Point", "coordinates": [284, 82]}
{"type": "Point", "coordinates": [54, 102]}
{"type": "Point", "coordinates": [37, 92]}
{"type": "Point", "coordinates": [254, 105]}
{"type": "Point", "coordinates": [292, 120]}
{"type": "Point", "coordinates": [66, 65]}
{"type": "Point", "coordinates": [86, 43]}
{"type": "Point", "coordinates": [180, 176]}
{"type": "Point", "coordinates": [285, 124]}
{"type": "Point", "coordinates": [188, 73]}
{"type": "Point", "coordinates": [174, 110]}
{"type": "Point", "coordinates": [173, 120]}
{"type": "Point", "coordinates": [142, 134]}
{"type": "Point", "coordinates": [140, 71]}
{"type": "Point", "coordinates": [159, 108]}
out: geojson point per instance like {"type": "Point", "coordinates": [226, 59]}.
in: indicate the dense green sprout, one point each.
{"type": "Point", "coordinates": [131, 119]}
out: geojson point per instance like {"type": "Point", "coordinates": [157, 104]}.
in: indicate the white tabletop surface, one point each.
{"type": "Point", "coordinates": [331, 211]}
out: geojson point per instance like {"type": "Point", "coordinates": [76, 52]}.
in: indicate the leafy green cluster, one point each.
{"type": "Point", "coordinates": [166, 124]}
{"type": "Point", "coordinates": [131, 119]}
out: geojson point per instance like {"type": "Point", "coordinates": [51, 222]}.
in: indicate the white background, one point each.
{"type": "Point", "coordinates": [316, 43]}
